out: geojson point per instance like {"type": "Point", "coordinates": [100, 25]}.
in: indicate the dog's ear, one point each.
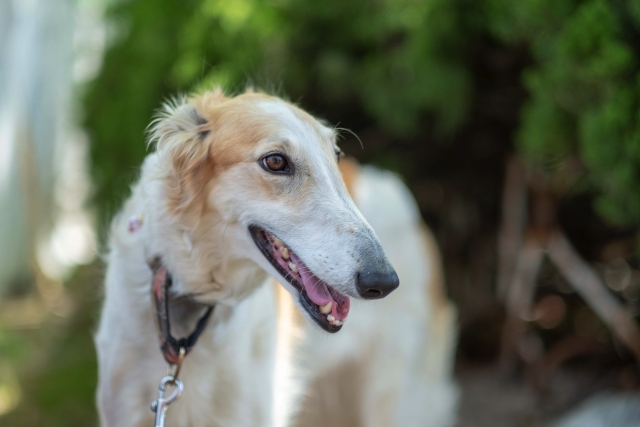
{"type": "Point", "coordinates": [178, 132]}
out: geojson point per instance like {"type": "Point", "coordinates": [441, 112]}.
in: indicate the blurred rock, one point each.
{"type": "Point", "coordinates": [613, 410]}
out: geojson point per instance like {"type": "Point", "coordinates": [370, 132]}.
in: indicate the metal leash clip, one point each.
{"type": "Point", "coordinates": [161, 405]}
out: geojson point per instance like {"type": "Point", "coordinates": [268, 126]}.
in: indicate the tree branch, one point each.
{"type": "Point", "coordinates": [587, 283]}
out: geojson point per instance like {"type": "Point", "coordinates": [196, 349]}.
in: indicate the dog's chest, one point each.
{"type": "Point", "coordinates": [228, 376]}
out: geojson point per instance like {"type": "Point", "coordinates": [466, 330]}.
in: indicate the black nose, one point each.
{"type": "Point", "coordinates": [376, 285]}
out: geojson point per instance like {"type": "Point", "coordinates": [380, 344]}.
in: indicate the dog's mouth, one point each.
{"type": "Point", "coordinates": [326, 306]}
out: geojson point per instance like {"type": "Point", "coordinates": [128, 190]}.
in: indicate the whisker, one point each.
{"type": "Point", "coordinates": [352, 133]}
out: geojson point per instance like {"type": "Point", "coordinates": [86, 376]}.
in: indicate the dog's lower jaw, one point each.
{"type": "Point", "coordinates": [245, 279]}
{"type": "Point", "coordinates": [230, 288]}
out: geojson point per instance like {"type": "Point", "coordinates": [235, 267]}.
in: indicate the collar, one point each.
{"type": "Point", "coordinates": [169, 345]}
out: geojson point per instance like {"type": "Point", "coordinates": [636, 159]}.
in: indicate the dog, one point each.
{"type": "Point", "coordinates": [392, 366]}
{"type": "Point", "coordinates": [237, 188]}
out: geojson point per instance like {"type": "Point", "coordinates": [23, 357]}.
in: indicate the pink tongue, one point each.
{"type": "Point", "coordinates": [316, 289]}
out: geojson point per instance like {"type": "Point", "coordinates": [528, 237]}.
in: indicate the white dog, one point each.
{"type": "Point", "coordinates": [392, 364]}
{"type": "Point", "coordinates": [237, 186]}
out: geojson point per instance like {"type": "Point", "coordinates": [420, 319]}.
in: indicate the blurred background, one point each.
{"type": "Point", "coordinates": [516, 124]}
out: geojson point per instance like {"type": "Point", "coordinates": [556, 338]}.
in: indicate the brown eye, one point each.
{"type": "Point", "coordinates": [275, 163]}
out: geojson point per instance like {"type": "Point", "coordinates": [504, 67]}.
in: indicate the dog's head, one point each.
{"type": "Point", "coordinates": [253, 177]}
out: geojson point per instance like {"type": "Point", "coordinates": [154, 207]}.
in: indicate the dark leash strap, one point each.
{"type": "Point", "coordinates": [170, 346]}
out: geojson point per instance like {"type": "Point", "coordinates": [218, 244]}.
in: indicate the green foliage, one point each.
{"type": "Point", "coordinates": [585, 97]}
{"type": "Point", "coordinates": [405, 66]}
{"type": "Point", "coordinates": [136, 77]}
{"type": "Point", "coordinates": [56, 363]}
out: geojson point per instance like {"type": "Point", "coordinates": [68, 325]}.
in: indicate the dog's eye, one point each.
{"type": "Point", "coordinates": [339, 154]}
{"type": "Point", "coordinates": [275, 163]}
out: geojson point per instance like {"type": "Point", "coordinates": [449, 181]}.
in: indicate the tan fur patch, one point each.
{"type": "Point", "coordinates": [232, 130]}
{"type": "Point", "coordinates": [437, 294]}
{"type": "Point", "coordinates": [349, 168]}
{"type": "Point", "coordinates": [336, 398]}
{"type": "Point", "coordinates": [187, 188]}
{"type": "Point", "coordinates": [438, 363]}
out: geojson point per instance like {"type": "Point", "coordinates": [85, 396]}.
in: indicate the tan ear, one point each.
{"type": "Point", "coordinates": [178, 133]}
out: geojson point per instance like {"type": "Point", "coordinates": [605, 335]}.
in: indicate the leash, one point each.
{"type": "Point", "coordinates": [174, 350]}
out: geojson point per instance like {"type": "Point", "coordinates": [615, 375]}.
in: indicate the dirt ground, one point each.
{"type": "Point", "coordinates": [490, 399]}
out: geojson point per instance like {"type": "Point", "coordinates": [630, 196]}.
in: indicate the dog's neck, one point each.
{"type": "Point", "coordinates": [199, 252]}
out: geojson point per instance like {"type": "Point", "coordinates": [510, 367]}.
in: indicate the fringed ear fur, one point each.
{"type": "Point", "coordinates": [179, 132]}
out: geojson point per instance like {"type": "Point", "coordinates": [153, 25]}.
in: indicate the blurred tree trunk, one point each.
{"type": "Point", "coordinates": [35, 89]}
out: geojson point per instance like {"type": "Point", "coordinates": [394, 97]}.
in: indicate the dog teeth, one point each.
{"type": "Point", "coordinates": [277, 242]}
{"type": "Point", "coordinates": [284, 251]}
{"type": "Point", "coordinates": [293, 267]}
{"type": "Point", "coordinates": [333, 321]}
{"type": "Point", "coordinates": [326, 309]}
